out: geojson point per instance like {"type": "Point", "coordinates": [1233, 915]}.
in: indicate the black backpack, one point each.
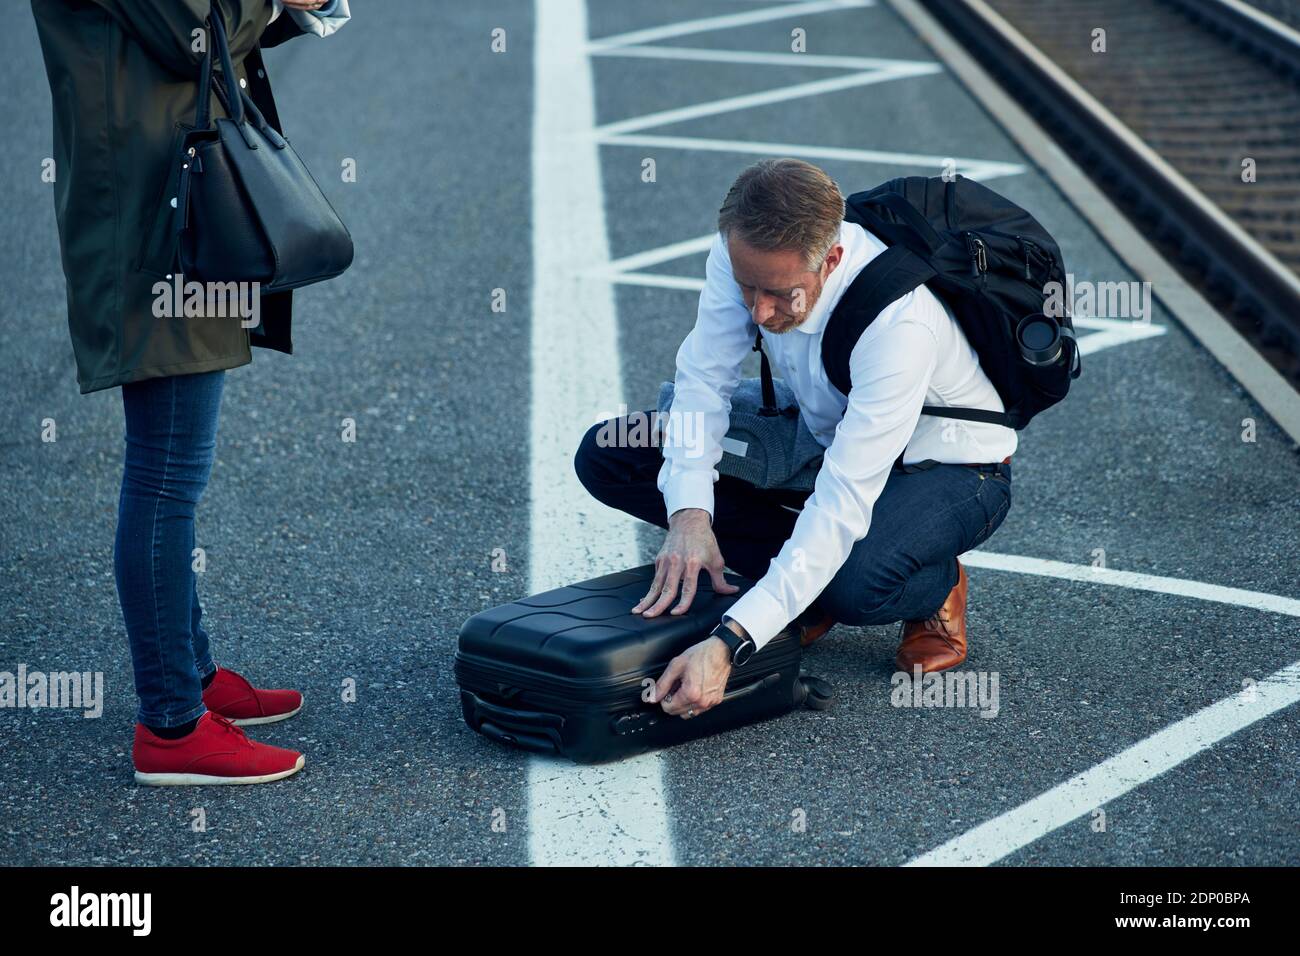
{"type": "Point", "coordinates": [985, 257]}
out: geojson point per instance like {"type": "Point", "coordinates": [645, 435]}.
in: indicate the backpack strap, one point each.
{"type": "Point", "coordinates": [890, 276]}
{"type": "Point", "coordinates": [765, 373]}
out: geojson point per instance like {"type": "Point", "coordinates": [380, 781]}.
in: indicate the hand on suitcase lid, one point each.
{"type": "Point", "coordinates": [689, 549]}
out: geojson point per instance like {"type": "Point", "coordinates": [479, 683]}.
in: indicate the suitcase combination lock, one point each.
{"type": "Point", "coordinates": [634, 723]}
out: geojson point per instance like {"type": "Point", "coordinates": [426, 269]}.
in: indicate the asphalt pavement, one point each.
{"type": "Point", "coordinates": [333, 562]}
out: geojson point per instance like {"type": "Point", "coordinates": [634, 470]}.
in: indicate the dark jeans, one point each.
{"type": "Point", "coordinates": [171, 431]}
{"type": "Point", "coordinates": [901, 571]}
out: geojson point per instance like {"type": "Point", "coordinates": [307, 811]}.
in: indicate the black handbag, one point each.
{"type": "Point", "coordinates": [247, 208]}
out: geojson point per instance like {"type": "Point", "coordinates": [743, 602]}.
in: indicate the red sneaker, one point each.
{"type": "Point", "coordinates": [216, 752]}
{"type": "Point", "coordinates": [243, 704]}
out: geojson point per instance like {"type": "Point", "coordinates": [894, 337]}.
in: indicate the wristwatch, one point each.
{"type": "Point", "coordinates": [742, 648]}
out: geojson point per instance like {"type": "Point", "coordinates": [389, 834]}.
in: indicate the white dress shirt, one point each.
{"type": "Point", "coordinates": [913, 353]}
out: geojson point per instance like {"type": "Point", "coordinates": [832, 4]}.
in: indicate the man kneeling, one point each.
{"type": "Point", "coordinates": [877, 540]}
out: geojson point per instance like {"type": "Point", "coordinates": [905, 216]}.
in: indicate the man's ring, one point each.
{"type": "Point", "coordinates": [691, 712]}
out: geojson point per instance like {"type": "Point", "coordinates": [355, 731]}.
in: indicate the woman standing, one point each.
{"type": "Point", "coordinates": [123, 78]}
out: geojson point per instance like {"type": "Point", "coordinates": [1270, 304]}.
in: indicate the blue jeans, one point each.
{"type": "Point", "coordinates": [901, 571]}
{"type": "Point", "coordinates": [171, 432]}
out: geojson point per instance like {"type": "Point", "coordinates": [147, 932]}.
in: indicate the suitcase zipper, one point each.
{"type": "Point", "coordinates": [570, 693]}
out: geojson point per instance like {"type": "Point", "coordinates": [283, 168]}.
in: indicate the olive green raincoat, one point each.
{"type": "Point", "coordinates": [123, 79]}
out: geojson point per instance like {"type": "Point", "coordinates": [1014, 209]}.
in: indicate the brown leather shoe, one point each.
{"type": "Point", "coordinates": [940, 642]}
{"type": "Point", "coordinates": [811, 632]}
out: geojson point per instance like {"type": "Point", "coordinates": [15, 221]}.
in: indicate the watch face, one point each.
{"type": "Point", "coordinates": [743, 653]}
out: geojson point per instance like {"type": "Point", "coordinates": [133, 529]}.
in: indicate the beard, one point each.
{"type": "Point", "coordinates": [793, 321]}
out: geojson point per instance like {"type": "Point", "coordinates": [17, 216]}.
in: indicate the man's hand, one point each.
{"type": "Point", "coordinates": [689, 548]}
{"type": "Point", "coordinates": [695, 680]}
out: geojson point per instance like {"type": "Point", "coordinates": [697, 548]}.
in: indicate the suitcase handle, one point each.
{"type": "Point", "coordinates": [810, 692]}
{"type": "Point", "coordinates": [748, 689]}
{"type": "Point", "coordinates": [530, 729]}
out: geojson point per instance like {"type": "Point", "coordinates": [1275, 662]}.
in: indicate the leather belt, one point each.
{"type": "Point", "coordinates": [929, 463]}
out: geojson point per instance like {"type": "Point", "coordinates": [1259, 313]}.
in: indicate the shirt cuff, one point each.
{"type": "Point", "coordinates": [760, 614]}
{"type": "Point", "coordinates": [689, 489]}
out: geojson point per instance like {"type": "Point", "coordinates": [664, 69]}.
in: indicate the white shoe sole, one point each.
{"type": "Point", "coordinates": [250, 721]}
{"type": "Point", "coordinates": [202, 779]}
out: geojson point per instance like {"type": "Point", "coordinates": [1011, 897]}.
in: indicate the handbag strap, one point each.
{"type": "Point", "coordinates": [202, 107]}
{"type": "Point", "coordinates": [228, 89]}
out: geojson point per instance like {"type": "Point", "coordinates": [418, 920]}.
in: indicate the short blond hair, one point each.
{"type": "Point", "coordinates": [780, 204]}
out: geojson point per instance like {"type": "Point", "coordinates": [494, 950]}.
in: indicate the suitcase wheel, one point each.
{"type": "Point", "coordinates": [817, 693]}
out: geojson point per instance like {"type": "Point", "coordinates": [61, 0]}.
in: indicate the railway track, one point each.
{"type": "Point", "coordinates": [1287, 11]}
{"type": "Point", "coordinates": [1189, 117]}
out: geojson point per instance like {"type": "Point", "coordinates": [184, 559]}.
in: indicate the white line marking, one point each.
{"type": "Point", "coordinates": [977, 169]}
{"type": "Point", "coordinates": [1145, 760]}
{"type": "Point", "coordinates": [704, 24]}
{"type": "Point", "coordinates": [674, 250]}
{"type": "Point", "coordinates": [1097, 322]}
{"type": "Point", "coordinates": [1112, 332]}
{"type": "Point", "coordinates": [1136, 332]}
{"type": "Point", "coordinates": [1087, 574]}
{"type": "Point", "coordinates": [653, 280]}
{"type": "Point", "coordinates": [766, 97]}
{"type": "Point", "coordinates": [1111, 779]}
{"type": "Point", "coordinates": [577, 815]}
{"type": "Point", "coordinates": [828, 61]}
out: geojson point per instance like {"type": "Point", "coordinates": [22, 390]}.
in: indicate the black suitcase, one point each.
{"type": "Point", "coordinates": [563, 672]}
